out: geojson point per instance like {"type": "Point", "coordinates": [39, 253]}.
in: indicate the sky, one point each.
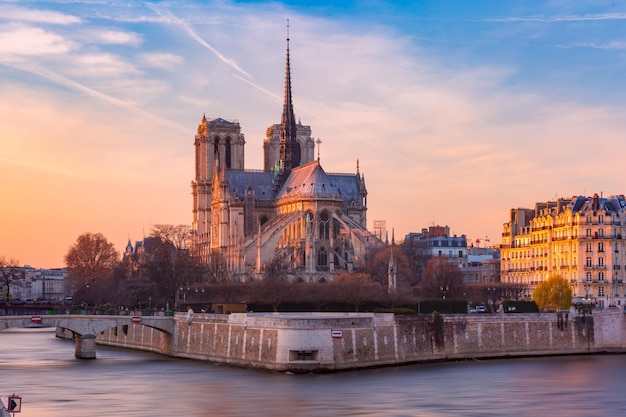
{"type": "Point", "coordinates": [457, 111]}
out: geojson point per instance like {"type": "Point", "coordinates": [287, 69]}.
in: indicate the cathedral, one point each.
{"type": "Point", "coordinates": [293, 212]}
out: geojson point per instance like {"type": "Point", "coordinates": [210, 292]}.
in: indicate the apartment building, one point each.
{"type": "Point", "coordinates": [582, 239]}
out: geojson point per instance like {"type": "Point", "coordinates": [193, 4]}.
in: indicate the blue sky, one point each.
{"type": "Point", "coordinates": [457, 111]}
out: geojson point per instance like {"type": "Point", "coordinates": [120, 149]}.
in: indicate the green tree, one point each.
{"type": "Point", "coordinates": [553, 293]}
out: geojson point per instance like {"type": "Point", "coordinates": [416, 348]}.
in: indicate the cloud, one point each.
{"type": "Point", "coordinates": [101, 65]}
{"type": "Point", "coordinates": [37, 16]}
{"type": "Point", "coordinates": [76, 86]}
{"type": "Point", "coordinates": [615, 45]}
{"type": "Point", "coordinates": [115, 37]}
{"type": "Point", "coordinates": [562, 18]}
{"type": "Point", "coordinates": [26, 40]}
{"type": "Point", "coordinates": [161, 60]}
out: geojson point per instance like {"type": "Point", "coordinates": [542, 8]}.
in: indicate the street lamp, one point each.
{"type": "Point", "coordinates": [444, 289]}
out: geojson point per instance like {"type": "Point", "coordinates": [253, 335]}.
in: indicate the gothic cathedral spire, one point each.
{"type": "Point", "coordinates": [289, 146]}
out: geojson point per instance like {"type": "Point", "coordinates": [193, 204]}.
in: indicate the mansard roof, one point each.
{"type": "Point", "coordinates": [595, 203]}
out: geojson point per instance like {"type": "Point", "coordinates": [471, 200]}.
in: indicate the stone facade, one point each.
{"type": "Point", "coordinates": [314, 223]}
{"type": "Point", "coordinates": [324, 342]}
{"type": "Point", "coordinates": [582, 239]}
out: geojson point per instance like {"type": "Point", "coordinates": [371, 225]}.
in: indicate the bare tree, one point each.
{"type": "Point", "coordinates": [90, 261]}
{"type": "Point", "coordinates": [377, 264]}
{"type": "Point", "coordinates": [514, 291]}
{"type": "Point", "coordinates": [168, 262]}
{"type": "Point", "coordinates": [8, 270]}
{"type": "Point", "coordinates": [357, 289]}
{"type": "Point", "coordinates": [441, 279]}
{"type": "Point", "coordinates": [215, 270]}
{"type": "Point", "coordinates": [179, 236]}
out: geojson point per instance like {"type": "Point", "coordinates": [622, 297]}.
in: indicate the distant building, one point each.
{"type": "Point", "coordinates": [292, 211]}
{"type": "Point", "coordinates": [483, 266]}
{"type": "Point", "coordinates": [38, 284]}
{"type": "Point", "coordinates": [435, 241]}
{"type": "Point", "coordinates": [582, 239]}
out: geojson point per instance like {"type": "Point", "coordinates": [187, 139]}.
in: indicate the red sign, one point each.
{"type": "Point", "coordinates": [15, 404]}
{"type": "Point", "coordinates": [36, 319]}
{"type": "Point", "coordinates": [136, 319]}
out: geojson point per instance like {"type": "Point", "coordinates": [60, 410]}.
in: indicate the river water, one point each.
{"type": "Point", "coordinates": [52, 383]}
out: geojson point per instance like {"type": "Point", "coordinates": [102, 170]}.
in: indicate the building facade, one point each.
{"type": "Point", "coordinates": [582, 239]}
{"type": "Point", "coordinates": [433, 242]}
{"type": "Point", "coordinates": [33, 284]}
{"type": "Point", "coordinates": [483, 266]}
{"type": "Point", "coordinates": [292, 211]}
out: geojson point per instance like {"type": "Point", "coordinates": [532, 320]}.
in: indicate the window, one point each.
{"type": "Point", "coordinates": [600, 218]}
{"type": "Point", "coordinates": [601, 233]}
{"type": "Point", "coordinates": [588, 246]}
{"type": "Point", "coordinates": [601, 276]}
{"type": "Point", "coordinates": [588, 276]}
{"type": "Point", "coordinates": [588, 232]}
{"type": "Point", "coordinates": [588, 262]}
{"type": "Point", "coordinates": [600, 291]}
{"type": "Point", "coordinates": [600, 246]}
{"type": "Point", "coordinates": [322, 257]}
{"type": "Point", "coordinates": [601, 262]}
{"type": "Point", "coordinates": [228, 154]}
{"type": "Point", "coordinates": [324, 225]}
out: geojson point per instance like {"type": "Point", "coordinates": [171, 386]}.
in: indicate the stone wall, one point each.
{"type": "Point", "coordinates": [338, 341]}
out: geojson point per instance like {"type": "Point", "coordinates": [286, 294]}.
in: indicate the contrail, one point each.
{"type": "Point", "coordinates": [276, 96]}
{"type": "Point", "coordinates": [201, 41]}
{"type": "Point", "coordinates": [66, 82]}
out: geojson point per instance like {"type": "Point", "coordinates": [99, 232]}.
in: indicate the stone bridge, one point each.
{"type": "Point", "coordinates": [85, 328]}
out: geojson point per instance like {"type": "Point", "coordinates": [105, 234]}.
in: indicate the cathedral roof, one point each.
{"type": "Point", "coordinates": [307, 180]}
{"type": "Point", "coordinates": [311, 180]}
{"type": "Point", "coordinates": [259, 181]}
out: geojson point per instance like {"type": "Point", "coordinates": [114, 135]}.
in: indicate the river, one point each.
{"type": "Point", "coordinates": [52, 383]}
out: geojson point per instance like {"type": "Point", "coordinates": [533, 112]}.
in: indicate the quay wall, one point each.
{"type": "Point", "coordinates": [323, 342]}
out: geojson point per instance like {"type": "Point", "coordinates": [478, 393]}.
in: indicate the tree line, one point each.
{"type": "Point", "coordinates": [165, 273]}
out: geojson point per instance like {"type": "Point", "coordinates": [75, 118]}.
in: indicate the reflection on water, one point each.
{"type": "Point", "coordinates": [42, 369]}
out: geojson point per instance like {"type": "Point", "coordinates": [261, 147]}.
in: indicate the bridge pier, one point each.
{"type": "Point", "coordinates": [85, 346]}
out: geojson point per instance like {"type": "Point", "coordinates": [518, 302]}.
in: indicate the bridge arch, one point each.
{"type": "Point", "coordinates": [86, 328]}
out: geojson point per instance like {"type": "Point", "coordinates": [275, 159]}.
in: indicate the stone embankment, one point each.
{"type": "Point", "coordinates": [325, 342]}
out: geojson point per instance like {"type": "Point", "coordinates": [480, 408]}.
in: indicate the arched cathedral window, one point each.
{"type": "Point", "coordinates": [324, 225]}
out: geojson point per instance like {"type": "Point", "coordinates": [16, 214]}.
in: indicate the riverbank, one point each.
{"type": "Point", "coordinates": [327, 342]}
